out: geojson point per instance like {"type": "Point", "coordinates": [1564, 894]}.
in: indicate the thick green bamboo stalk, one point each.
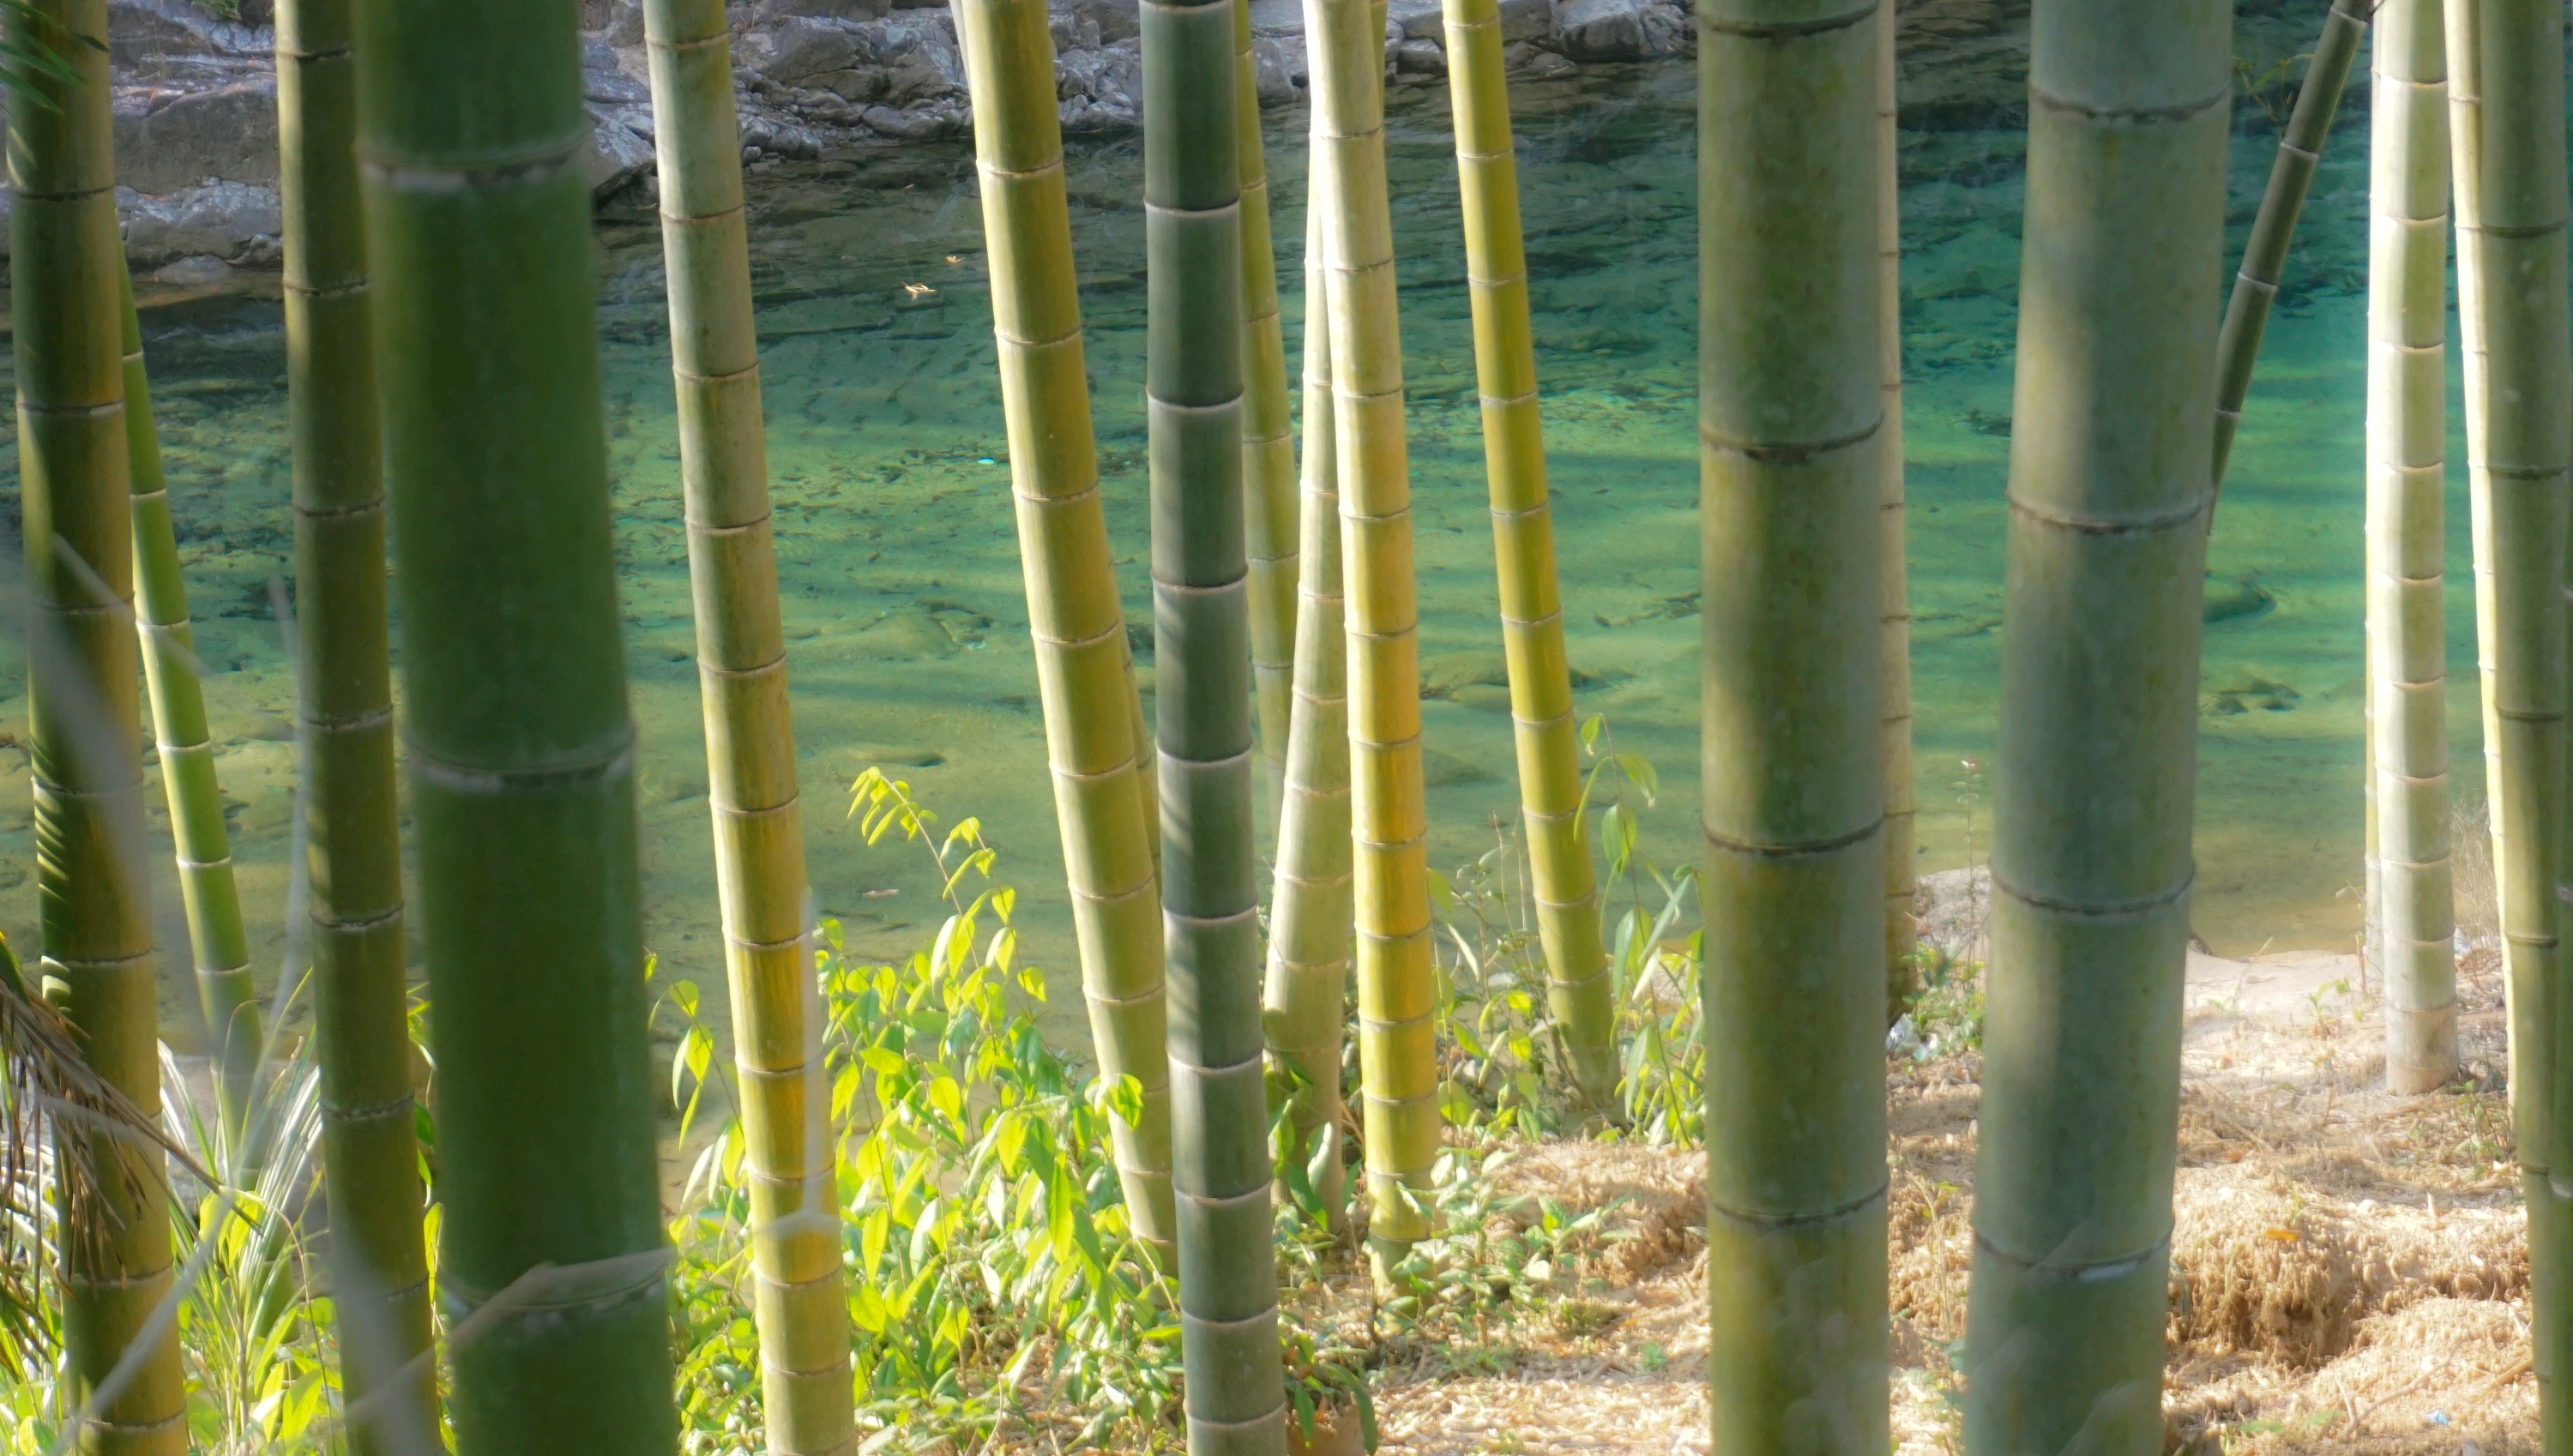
{"type": "Point", "coordinates": [1084, 677]}
{"type": "Point", "coordinates": [1894, 588]}
{"type": "Point", "coordinates": [65, 262]}
{"type": "Point", "coordinates": [1200, 629]}
{"type": "Point", "coordinates": [2523, 199]}
{"type": "Point", "coordinates": [2265, 253]}
{"type": "Point", "coordinates": [1305, 1004]}
{"type": "Point", "coordinates": [225, 991]}
{"type": "Point", "coordinates": [1236, 1388]}
{"type": "Point", "coordinates": [1790, 415]}
{"type": "Point", "coordinates": [1397, 1058]}
{"type": "Point", "coordinates": [369, 1148]}
{"type": "Point", "coordinates": [552, 1264]}
{"type": "Point", "coordinates": [1581, 995]}
{"type": "Point", "coordinates": [801, 1303]}
{"type": "Point", "coordinates": [1269, 501]}
{"type": "Point", "coordinates": [2111, 488]}
{"type": "Point", "coordinates": [2412, 912]}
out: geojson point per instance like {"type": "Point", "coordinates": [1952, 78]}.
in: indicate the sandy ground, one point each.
{"type": "Point", "coordinates": [2349, 1268]}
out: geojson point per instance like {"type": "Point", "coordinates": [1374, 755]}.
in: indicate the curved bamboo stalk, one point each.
{"type": "Point", "coordinates": [2111, 488]}
{"type": "Point", "coordinates": [1305, 1003]}
{"type": "Point", "coordinates": [370, 1146]}
{"type": "Point", "coordinates": [1581, 995]}
{"type": "Point", "coordinates": [1270, 499]}
{"type": "Point", "coordinates": [1894, 588]}
{"type": "Point", "coordinates": [801, 1294]}
{"type": "Point", "coordinates": [1397, 1057]}
{"type": "Point", "coordinates": [520, 744]}
{"type": "Point", "coordinates": [1082, 671]}
{"type": "Point", "coordinates": [94, 893]}
{"type": "Point", "coordinates": [2264, 253]}
{"type": "Point", "coordinates": [1790, 412]}
{"type": "Point", "coordinates": [1236, 1392]}
{"type": "Point", "coordinates": [225, 991]}
{"type": "Point", "coordinates": [2412, 915]}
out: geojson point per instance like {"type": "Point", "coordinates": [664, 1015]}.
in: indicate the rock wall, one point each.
{"type": "Point", "coordinates": [196, 95]}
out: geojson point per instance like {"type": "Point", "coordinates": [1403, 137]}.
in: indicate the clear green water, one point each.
{"type": "Point", "coordinates": [900, 572]}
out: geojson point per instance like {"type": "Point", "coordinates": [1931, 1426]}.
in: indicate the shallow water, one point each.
{"type": "Point", "coordinates": [900, 573]}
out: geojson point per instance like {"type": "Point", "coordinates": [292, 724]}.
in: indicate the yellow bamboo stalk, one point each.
{"type": "Point", "coordinates": [1267, 444]}
{"type": "Point", "coordinates": [1388, 814]}
{"type": "Point", "coordinates": [1580, 993]}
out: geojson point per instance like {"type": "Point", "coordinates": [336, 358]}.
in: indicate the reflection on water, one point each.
{"type": "Point", "coordinates": [900, 573]}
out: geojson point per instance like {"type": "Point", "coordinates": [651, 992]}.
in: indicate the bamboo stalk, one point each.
{"type": "Point", "coordinates": [1388, 816]}
{"type": "Point", "coordinates": [1581, 995]}
{"type": "Point", "coordinates": [2111, 488]}
{"type": "Point", "coordinates": [1270, 498]}
{"type": "Point", "coordinates": [370, 1146]}
{"type": "Point", "coordinates": [1790, 419]}
{"type": "Point", "coordinates": [520, 744]}
{"type": "Point", "coordinates": [2521, 196]}
{"type": "Point", "coordinates": [65, 260]}
{"type": "Point", "coordinates": [1894, 622]}
{"type": "Point", "coordinates": [1084, 674]}
{"type": "Point", "coordinates": [1236, 1391]}
{"type": "Point", "coordinates": [1306, 1002]}
{"type": "Point", "coordinates": [801, 1306]}
{"type": "Point", "coordinates": [186, 747]}
{"type": "Point", "coordinates": [2291, 176]}
{"type": "Point", "coordinates": [2412, 915]}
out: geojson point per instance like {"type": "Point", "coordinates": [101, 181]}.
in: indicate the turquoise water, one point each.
{"type": "Point", "coordinates": [899, 571]}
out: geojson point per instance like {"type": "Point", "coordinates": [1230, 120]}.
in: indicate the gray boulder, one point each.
{"type": "Point", "coordinates": [1620, 30]}
{"type": "Point", "coordinates": [165, 142]}
{"type": "Point", "coordinates": [617, 156]}
{"type": "Point", "coordinates": [899, 61]}
{"type": "Point", "coordinates": [234, 221]}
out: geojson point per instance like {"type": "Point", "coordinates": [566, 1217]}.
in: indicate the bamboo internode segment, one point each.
{"type": "Point", "coordinates": [65, 263]}
{"type": "Point", "coordinates": [2111, 487]}
{"type": "Point", "coordinates": [2412, 912]}
{"type": "Point", "coordinates": [187, 752]}
{"type": "Point", "coordinates": [1790, 415]}
{"type": "Point", "coordinates": [1268, 439]}
{"type": "Point", "coordinates": [1304, 1004]}
{"type": "Point", "coordinates": [1084, 673]}
{"type": "Point", "coordinates": [1581, 993]}
{"type": "Point", "coordinates": [2291, 176]}
{"type": "Point", "coordinates": [800, 1299]}
{"type": "Point", "coordinates": [1894, 589]}
{"type": "Point", "coordinates": [370, 1142]}
{"type": "Point", "coordinates": [2527, 464]}
{"type": "Point", "coordinates": [1236, 1391]}
{"type": "Point", "coordinates": [520, 744]}
{"type": "Point", "coordinates": [1388, 813]}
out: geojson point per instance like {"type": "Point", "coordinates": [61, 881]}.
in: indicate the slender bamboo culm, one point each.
{"type": "Point", "coordinates": [1235, 1391]}
{"type": "Point", "coordinates": [520, 741]}
{"type": "Point", "coordinates": [225, 990]}
{"type": "Point", "coordinates": [1894, 589]}
{"type": "Point", "coordinates": [1581, 993]}
{"type": "Point", "coordinates": [2111, 488]}
{"type": "Point", "coordinates": [1389, 815]}
{"type": "Point", "coordinates": [1305, 1004]}
{"type": "Point", "coordinates": [1084, 674]}
{"type": "Point", "coordinates": [2412, 912]}
{"type": "Point", "coordinates": [343, 680]}
{"type": "Point", "coordinates": [800, 1303]}
{"type": "Point", "coordinates": [1270, 498]}
{"type": "Point", "coordinates": [1790, 415]}
{"type": "Point", "coordinates": [2527, 437]}
{"type": "Point", "coordinates": [93, 890]}
{"type": "Point", "coordinates": [2291, 176]}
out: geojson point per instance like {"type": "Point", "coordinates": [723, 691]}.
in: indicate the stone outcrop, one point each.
{"type": "Point", "coordinates": [196, 95]}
